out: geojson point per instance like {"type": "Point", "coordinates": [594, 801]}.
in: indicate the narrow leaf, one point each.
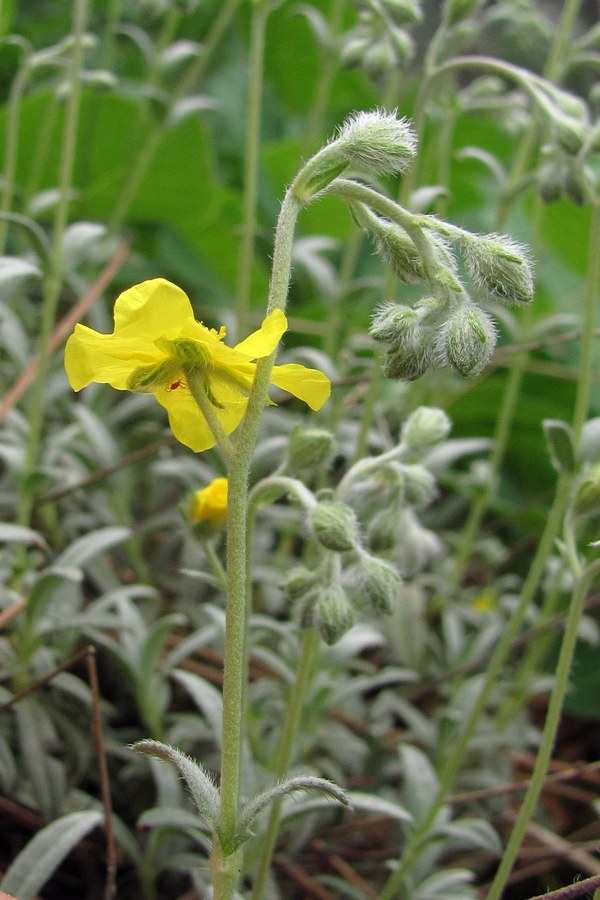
{"type": "Point", "coordinates": [201, 786]}
{"type": "Point", "coordinates": [44, 853]}
{"type": "Point", "coordinates": [287, 786]}
{"type": "Point", "coordinates": [559, 439]}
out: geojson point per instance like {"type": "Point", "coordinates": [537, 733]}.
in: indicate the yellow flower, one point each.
{"type": "Point", "coordinates": [210, 503]}
{"type": "Point", "coordinates": [157, 344]}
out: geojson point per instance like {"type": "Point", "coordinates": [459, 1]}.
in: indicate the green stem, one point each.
{"type": "Point", "coordinates": [196, 384]}
{"type": "Point", "coordinates": [260, 14]}
{"type": "Point", "coordinates": [226, 857]}
{"type": "Point", "coordinates": [542, 761]}
{"type": "Point", "coordinates": [461, 743]}
{"type": "Point", "coordinates": [311, 641]}
{"type": "Point", "coordinates": [53, 281]}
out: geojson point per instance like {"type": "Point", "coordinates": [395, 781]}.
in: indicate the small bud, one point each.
{"type": "Point", "coordinates": [378, 583]}
{"type": "Point", "coordinates": [396, 325]}
{"type": "Point", "coordinates": [333, 615]}
{"type": "Point", "coordinates": [299, 582]}
{"type": "Point", "coordinates": [425, 427]}
{"type": "Point", "coordinates": [587, 497]}
{"type": "Point", "coordinates": [457, 10]}
{"type": "Point", "coordinates": [335, 526]}
{"type": "Point", "coordinates": [418, 544]}
{"type": "Point", "coordinates": [377, 142]}
{"type": "Point", "coordinates": [501, 268]}
{"type": "Point", "coordinates": [308, 449]}
{"type": "Point", "coordinates": [466, 340]}
{"type": "Point", "coordinates": [384, 529]}
{"type": "Point", "coordinates": [379, 59]}
{"type": "Point", "coordinates": [409, 363]}
{"type": "Point", "coordinates": [419, 485]}
{"type": "Point", "coordinates": [403, 12]}
{"type": "Point", "coordinates": [207, 511]}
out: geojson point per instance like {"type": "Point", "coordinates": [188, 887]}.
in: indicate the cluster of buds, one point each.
{"type": "Point", "coordinates": [446, 327]}
{"type": "Point", "coordinates": [381, 41]}
{"type": "Point", "coordinates": [371, 512]}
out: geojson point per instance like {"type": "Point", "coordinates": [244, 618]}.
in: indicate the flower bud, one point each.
{"type": "Point", "coordinates": [457, 10]}
{"type": "Point", "coordinates": [587, 497]}
{"type": "Point", "coordinates": [384, 529]}
{"type": "Point", "coordinates": [409, 363]}
{"type": "Point", "coordinates": [467, 340]}
{"type": "Point", "coordinates": [425, 427]}
{"type": "Point", "coordinates": [403, 12]}
{"type": "Point", "coordinates": [208, 508]}
{"type": "Point", "coordinates": [419, 485]}
{"type": "Point", "coordinates": [418, 544]}
{"type": "Point", "coordinates": [396, 325]}
{"type": "Point", "coordinates": [308, 449]}
{"type": "Point", "coordinates": [378, 583]}
{"type": "Point", "coordinates": [333, 615]}
{"type": "Point", "coordinates": [335, 526]}
{"type": "Point", "coordinates": [379, 59]}
{"type": "Point", "coordinates": [501, 268]}
{"type": "Point", "coordinates": [299, 581]}
{"type": "Point", "coordinates": [377, 142]}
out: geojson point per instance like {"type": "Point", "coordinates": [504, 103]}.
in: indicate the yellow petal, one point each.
{"type": "Point", "coordinates": [90, 356]}
{"type": "Point", "coordinates": [310, 385]}
{"type": "Point", "coordinates": [262, 342]}
{"type": "Point", "coordinates": [153, 309]}
{"type": "Point", "coordinates": [187, 422]}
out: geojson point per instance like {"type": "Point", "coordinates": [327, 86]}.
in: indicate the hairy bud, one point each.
{"type": "Point", "coordinates": [376, 142]}
{"type": "Point", "coordinates": [395, 325]}
{"type": "Point", "coordinates": [378, 583]}
{"type": "Point", "coordinates": [425, 427]}
{"type": "Point", "coordinates": [409, 363]}
{"type": "Point", "coordinates": [335, 526]}
{"type": "Point", "coordinates": [467, 340]}
{"type": "Point", "coordinates": [308, 449]}
{"type": "Point", "coordinates": [501, 268]}
{"type": "Point", "coordinates": [333, 615]}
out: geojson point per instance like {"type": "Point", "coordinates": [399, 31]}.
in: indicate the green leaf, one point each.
{"type": "Point", "coordinates": [19, 534]}
{"type": "Point", "coordinates": [198, 780]}
{"type": "Point", "coordinates": [287, 786]}
{"type": "Point", "coordinates": [90, 545]}
{"type": "Point", "coordinates": [44, 853]}
{"type": "Point", "coordinates": [559, 438]}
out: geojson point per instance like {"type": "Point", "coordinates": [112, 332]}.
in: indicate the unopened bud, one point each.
{"type": "Point", "coordinates": [425, 427]}
{"type": "Point", "coordinates": [395, 325]}
{"type": "Point", "coordinates": [409, 363]}
{"type": "Point", "coordinates": [377, 142]}
{"type": "Point", "coordinates": [378, 583]}
{"type": "Point", "coordinates": [501, 268]}
{"type": "Point", "coordinates": [467, 340]}
{"type": "Point", "coordinates": [403, 12]}
{"type": "Point", "coordinates": [379, 59]}
{"type": "Point", "coordinates": [419, 485]}
{"type": "Point", "coordinates": [587, 497]}
{"type": "Point", "coordinates": [333, 615]}
{"type": "Point", "coordinates": [335, 526]}
{"type": "Point", "coordinates": [298, 582]}
{"type": "Point", "coordinates": [308, 449]}
{"type": "Point", "coordinates": [457, 10]}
